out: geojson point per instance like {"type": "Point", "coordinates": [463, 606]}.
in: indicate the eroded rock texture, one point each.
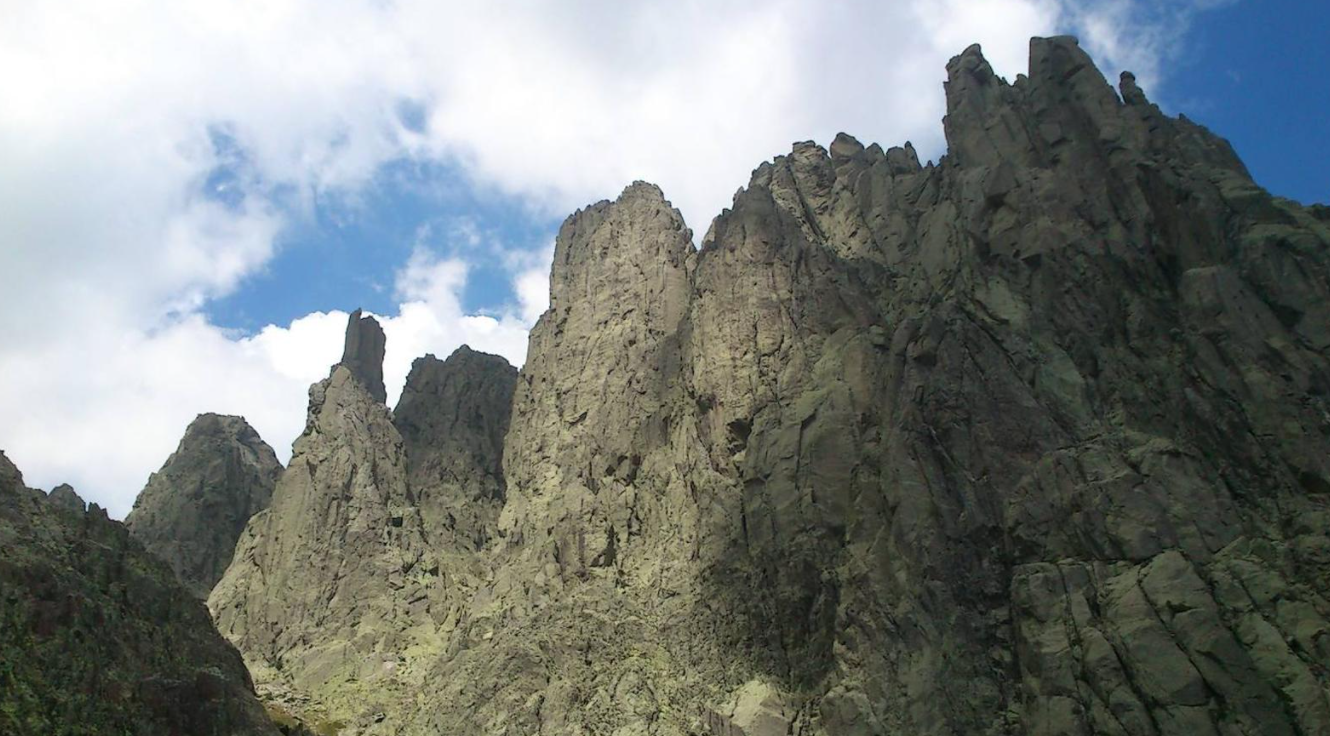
{"type": "Point", "coordinates": [1031, 441]}
{"type": "Point", "coordinates": [353, 576]}
{"type": "Point", "coordinates": [1034, 440]}
{"type": "Point", "coordinates": [193, 510]}
{"type": "Point", "coordinates": [98, 637]}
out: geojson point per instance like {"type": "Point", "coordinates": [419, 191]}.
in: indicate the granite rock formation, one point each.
{"type": "Point", "coordinates": [1034, 440]}
{"type": "Point", "coordinates": [362, 354]}
{"type": "Point", "coordinates": [344, 589]}
{"type": "Point", "coordinates": [65, 497]}
{"type": "Point", "coordinates": [98, 637]}
{"type": "Point", "coordinates": [193, 510]}
{"type": "Point", "coordinates": [453, 417]}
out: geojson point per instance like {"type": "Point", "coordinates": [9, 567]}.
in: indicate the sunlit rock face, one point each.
{"type": "Point", "coordinates": [1034, 440]}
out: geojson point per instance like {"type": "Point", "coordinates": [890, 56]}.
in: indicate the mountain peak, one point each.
{"type": "Point", "coordinates": [874, 460]}
{"type": "Point", "coordinates": [64, 496]}
{"type": "Point", "coordinates": [192, 511]}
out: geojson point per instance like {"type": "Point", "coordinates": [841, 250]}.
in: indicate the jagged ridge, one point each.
{"type": "Point", "coordinates": [999, 445]}
{"type": "Point", "coordinates": [1033, 440]}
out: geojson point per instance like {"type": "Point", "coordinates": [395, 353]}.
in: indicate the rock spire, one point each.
{"type": "Point", "coordinates": [363, 352]}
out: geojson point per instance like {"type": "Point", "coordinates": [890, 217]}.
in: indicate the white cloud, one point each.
{"type": "Point", "coordinates": [533, 292]}
{"type": "Point", "coordinates": [151, 153]}
{"type": "Point", "coordinates": [1130, 35]}
{"type": "Point", "coordinates": [431, 318]}
{"type": "Point", "coordinates": [103, 411]}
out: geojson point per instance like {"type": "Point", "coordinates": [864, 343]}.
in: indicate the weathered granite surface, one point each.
{"type": "Point", "coordinates": [1034, 440]}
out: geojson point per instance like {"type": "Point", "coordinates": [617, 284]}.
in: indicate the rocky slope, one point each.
{"type": "Point", "coordinates": [1035, 440]}
{"type": "Point", "coordinates": [193, 510]}
{"type": "Point", "coordinates": [97, 636]}
{"type": "Point", "coordinates": [351, 579]}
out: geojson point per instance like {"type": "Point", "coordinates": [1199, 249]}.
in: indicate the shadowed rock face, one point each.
{"type": "Point", "coordinates": [193, 510]}
{"type": "Point", "coordinates": [453, 416]}
{"type": "Point", "coordinates": [98, 637]}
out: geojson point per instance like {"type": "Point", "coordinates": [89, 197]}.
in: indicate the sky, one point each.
{"type": "Point", "coordinates": [194, 194]}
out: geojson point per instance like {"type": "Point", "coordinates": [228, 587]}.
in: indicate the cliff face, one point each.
{"type": "Point", "coordinates": [1030, 441]}
{"type": "Point", "coordinates": [193, 510]}
{"type": "Point", "coordinates": [352, 576]}
{"type": "Point", "coordinates": [1035, 440]}
{"type": "Point", "coordinates": [98, 637]}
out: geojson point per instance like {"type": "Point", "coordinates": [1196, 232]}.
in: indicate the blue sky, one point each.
{"type": "Point", "coordinates": [1256, 74]}
{"type": "Point", "coordinates": [194, 194]}
{"type": "Point", "coordinates": [346, 253]}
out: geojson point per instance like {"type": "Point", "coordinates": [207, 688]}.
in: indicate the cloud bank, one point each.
{"type": "Point", "coordinates": [151, 155]}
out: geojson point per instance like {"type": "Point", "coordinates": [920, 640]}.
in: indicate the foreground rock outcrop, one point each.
{"type": "Point", "coordinates": [193, 510]}
{"type": "Point", "coordinates": [1035, 440]}
{"type": "Point", "coordinates": [98, 637]}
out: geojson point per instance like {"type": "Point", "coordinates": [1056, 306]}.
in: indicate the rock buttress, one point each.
{"type": "Point", "coordinates": [348, 584]}
{"type": "Point", "coordinates": [453, 416]}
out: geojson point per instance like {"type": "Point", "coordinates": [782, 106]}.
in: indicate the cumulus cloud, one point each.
{"type": "Point", "coordinates": [151, 155]}
{"type": "Point", "coordinates": [105, 410]}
